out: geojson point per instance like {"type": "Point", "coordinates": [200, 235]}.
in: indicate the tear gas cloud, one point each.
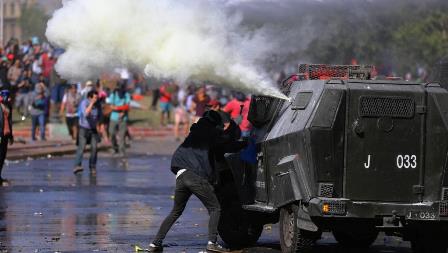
{"type": "Point", "coordinates": [184, 40]}
{"type": "Point", "coordinates": [235, 43]}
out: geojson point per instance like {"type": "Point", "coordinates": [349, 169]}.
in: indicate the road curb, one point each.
{"type": "Point", "coordinates": [23, 154]}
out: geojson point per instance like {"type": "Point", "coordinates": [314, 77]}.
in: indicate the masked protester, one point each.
{"type": "Point", "coordinates": [6, 136]}
{"type": "Point", "coordinates": [195, 174]}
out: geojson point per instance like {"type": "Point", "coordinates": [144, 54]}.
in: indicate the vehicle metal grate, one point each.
{"type": "Point", "coordinates": [328, 72]}
{"type": "Point", "coordinates": [444, 193]}
{"type": "Point", "coordinates": [394, 107]}
{"type": "Point", "coordinates": [337, 207]}
{"type": "Point", "coordinates": [326, 190]}
{"type": "Point", "coordinates": [443, 209]}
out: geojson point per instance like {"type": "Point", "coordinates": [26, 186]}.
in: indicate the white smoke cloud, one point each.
{"type": "Point", "coordinates": [178, 39]}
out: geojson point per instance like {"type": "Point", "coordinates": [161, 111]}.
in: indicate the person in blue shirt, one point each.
{"type": "Point", "coordinates": [120, 101]}
{"type": "Point", "coordinates": [89, 115]}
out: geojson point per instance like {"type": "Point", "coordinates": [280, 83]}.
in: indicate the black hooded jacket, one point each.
{"type": "Point", "coordinates": [230, 144]}
{"type": "Point", "coordinates": [194, 153]}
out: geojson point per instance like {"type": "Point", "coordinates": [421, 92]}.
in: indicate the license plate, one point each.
{"type": "Point", "coordinates": [422, 215]}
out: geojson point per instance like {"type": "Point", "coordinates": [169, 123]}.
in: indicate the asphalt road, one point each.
{"type": "Point", "coordinates": [48, 209]}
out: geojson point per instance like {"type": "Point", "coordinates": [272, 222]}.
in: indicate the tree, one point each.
{"type": "Point", "coordinates": [423, 42]}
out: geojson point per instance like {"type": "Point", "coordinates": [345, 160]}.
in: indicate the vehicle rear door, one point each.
{"type": "Point", "coordinates": [384, 142]}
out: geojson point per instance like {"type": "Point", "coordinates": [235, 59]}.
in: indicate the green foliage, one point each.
{"type": "Point", "coordinates": [33, 21]}
{"type": "Point", "coordinates": [394, 35]}
{"type": "Point", "coordinates": [424, 41]}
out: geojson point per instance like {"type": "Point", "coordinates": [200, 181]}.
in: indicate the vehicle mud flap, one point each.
{"type": "Point", "coordinates": [304, 221]}
{"type": "Point", "coordinates": [300, 180]}
{"type": "Point", "coordinates": [290, 182]}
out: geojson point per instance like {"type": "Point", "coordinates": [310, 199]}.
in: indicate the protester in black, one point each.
{"type": "Point", "coordinates": [195, 174]}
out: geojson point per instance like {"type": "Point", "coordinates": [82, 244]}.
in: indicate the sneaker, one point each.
{"type": "Point", "coordinates": [4, 182]}
{"type": "Point", "coordinates": [77, 169]}
{"type": "Point", "coordinates": [215, 247]}
{"type": "Point", "coordinates": [155, 248]}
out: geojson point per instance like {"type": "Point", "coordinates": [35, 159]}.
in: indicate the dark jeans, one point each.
{"type": "Point", "coordinates": [3, 150]}
{"type": "Point", "coordinates": [35, 120]}
{"type": "Point", "coordinates": [87, 135]}
{"type": "Point", "coordinates": [187, 184]}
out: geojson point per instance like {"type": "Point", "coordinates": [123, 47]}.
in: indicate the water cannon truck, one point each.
{"type": "Point", "coordinates": [349, 154]}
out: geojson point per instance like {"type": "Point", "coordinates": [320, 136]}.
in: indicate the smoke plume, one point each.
{"type": "Point", "coordinates": [235, 43]}
{"type": "Point", "coordinates": [196, 39]}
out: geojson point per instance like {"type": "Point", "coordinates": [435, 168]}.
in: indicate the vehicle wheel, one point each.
{"type": "Point", "coordinates": [236, 228]}
{"type": "Point", "coordinates": [357, 239]}
{"type": "Point", "coordinates": [428, 243]}
{"type": "Point", "coordinates": [292, 238]}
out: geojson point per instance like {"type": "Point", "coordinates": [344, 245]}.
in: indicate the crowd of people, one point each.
{"type": "Point", "coordinates": [95, 112]}
{"type": "Point", "coordinates": [30, 85]}
{"type": "Point", "coordinates": [189, 103]}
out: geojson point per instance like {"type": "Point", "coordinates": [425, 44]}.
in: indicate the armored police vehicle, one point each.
{"type": "Point", "coordinates": [347, 154]}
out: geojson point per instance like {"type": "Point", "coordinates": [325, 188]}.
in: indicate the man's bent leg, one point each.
{"type": "Point", "coordinates": [181, 196]}
{"type": "Point", "coordinates": [206, 194]}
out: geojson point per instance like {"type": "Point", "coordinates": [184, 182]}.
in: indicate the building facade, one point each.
{"type": "Point", "coordinates": [12, 11]}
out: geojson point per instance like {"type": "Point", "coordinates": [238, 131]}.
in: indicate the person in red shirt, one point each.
{"type": "Point", "coordinates": [47, 64]}
{"type": "Point", "coordinates": [165, 103]}
{"type": "Point", "coordinates": [238, 108]}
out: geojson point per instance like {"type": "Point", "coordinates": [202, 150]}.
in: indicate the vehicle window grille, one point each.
{"type": "Point", "coordinates": [443, 209]}
{"type": "Point", "coordinates": [326, 190]}
{"type": "Point", "coordinates": [394, 107]}
{"type": "Point", "coordinates": [445, 194]}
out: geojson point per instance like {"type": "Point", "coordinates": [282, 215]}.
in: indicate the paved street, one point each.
{"type": "Point", "coordinates": [48, 209]}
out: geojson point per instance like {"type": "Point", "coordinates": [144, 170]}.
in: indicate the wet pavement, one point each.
{"type": "Point", "coordinates": [48, 209]}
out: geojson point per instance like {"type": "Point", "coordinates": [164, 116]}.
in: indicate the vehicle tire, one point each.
{"type": "Point", "coordinates": [292, 238]}
{"type": "Point", "coordinates": [236, 228]}
{"type": "Point", "coordinates": [358, 238]}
